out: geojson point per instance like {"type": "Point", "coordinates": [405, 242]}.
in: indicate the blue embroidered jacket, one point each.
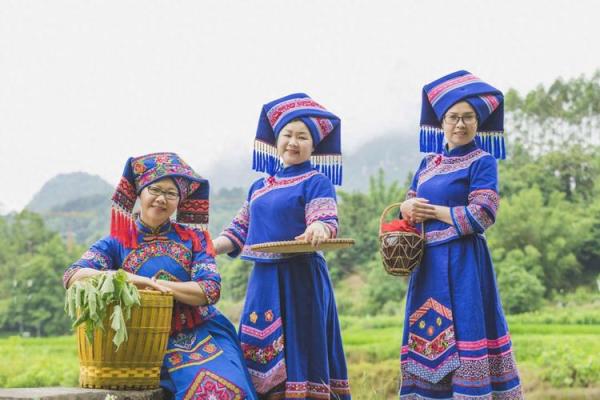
{"type": "Point", "coordinates": [464, 179]}
{"type": "Point", "coordinates": [280, 208]}
{"type": "Point", "coordinates": [162, 254]}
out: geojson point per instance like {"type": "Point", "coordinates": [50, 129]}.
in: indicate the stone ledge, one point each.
{"type": "Point", "coordinates": [63, 393]}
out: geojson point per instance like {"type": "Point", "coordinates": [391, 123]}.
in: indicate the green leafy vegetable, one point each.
{"type": "Point", "coordinates": [87, 302]}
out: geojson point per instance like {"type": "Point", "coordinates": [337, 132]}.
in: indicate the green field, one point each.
{"type": "Point", "coordinates": [556, 359]}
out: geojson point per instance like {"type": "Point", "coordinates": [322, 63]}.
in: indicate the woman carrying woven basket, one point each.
{"type": "Point", "coordinates": [289, 327]}
{"type": "Point", "coordinates": [456, 342]}
{"type": "Point", "coordinates": [204, 358]}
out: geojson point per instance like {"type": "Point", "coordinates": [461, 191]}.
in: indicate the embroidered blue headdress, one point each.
{"type": "Point", "coordinates": [142, 171]}
{"type": "Point", "coordinates": [324, 128]}
{"type": "Point", "coordinates": [487, 101]}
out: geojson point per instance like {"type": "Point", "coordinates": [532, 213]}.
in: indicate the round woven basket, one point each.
{"type": "Point", "coordinates": [136, 365]}
{"type": "Point", "coordinates": [401, 252]}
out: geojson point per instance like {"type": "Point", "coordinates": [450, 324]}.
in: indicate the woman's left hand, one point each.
{"type": "Point", "coordinates": [315, 233]}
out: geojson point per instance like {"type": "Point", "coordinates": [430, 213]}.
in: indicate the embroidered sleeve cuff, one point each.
{"type": "Point", "coordinates": [212, 291]}
{"type": "Point", "coordinates": [320, 209]}
{"type": "Point", "coordinates": [480, 217]}
{"type": "Point", "coordinates": [462, 222]}
{"type": "Point", "coordinates": [69, 272]}
{"type": "Point", "coordinates": [238, 243]}
{"type": "Point", "coordinates": [332, 225]}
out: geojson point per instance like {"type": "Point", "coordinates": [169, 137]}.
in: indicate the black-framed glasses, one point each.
{"type": "Point", "coordinates": [169, 194]}
{"type": "Point", "coordinates": [453, 119]}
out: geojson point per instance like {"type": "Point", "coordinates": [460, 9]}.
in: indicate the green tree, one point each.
{"type": "Point", "coordinates": [359, 219]}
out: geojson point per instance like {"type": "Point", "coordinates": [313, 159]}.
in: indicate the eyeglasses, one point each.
{"type": "Point", "coordinates": [169, 194]}
{"type": "Point", "coordinates": [453, 119]}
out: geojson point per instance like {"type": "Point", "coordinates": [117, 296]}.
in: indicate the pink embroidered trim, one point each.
{"type": "Point", "coordinates": [280, 183]}
{"type": "Point", "coordinates": [261, 334]}
{"type": "Point", "coordinates": [280, 110]}
{"type": "Point", "coordinates": [449, 165]}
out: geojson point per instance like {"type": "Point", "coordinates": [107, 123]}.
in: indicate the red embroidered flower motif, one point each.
{"type": "Point", "coordinates": [269, 316]}
{"type": "Point", "coordinates": [270, 180]}
{"type": "Point", "coordinates": [210, 348]}
{"type": "Point", "coordinates": [160, 159]}
{"type": "Point", "coordinates": [175, 359]}
{"type": "Point", "coordinates": [195, 356]}
{"type": "Point", "coordinates": [438, 159]}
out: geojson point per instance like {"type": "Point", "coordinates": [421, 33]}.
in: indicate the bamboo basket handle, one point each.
{"type": "Point", "coordinates": [387, 210]}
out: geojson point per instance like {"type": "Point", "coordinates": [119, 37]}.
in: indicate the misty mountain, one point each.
{"type": "Point", "coordinates": [78, 204]}
{"type": "Point", "coordinates": [65, 188]}
{"type": "Point", "coordinates": [396, 153]}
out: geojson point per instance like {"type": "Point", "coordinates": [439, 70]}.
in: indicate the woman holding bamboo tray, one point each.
{"type": "Point", "coordinates": [289, 327]}
{"type": "Point", "coordinates": [204, 358]}
{"type": "Point", "coordinates": [456, 342]}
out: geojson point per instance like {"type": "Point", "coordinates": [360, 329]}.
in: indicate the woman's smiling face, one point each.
{"type": "Point", "coordinates": [459, 124]}
{"type": "Point", "coordinates": [294, 143]}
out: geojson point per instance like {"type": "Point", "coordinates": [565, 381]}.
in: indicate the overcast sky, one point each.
{"type": "Point", "coordinates": [86, 84]}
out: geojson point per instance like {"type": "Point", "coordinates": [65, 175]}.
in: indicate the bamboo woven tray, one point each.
{"type": "Point", "coordinates": [300, 246]}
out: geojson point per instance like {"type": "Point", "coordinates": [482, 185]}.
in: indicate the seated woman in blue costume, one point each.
{"type": "Point", "coordinates": [203, 359]}
{"type": "Point", "coordinates": [289, 328]}
{"type": "Point", "coordinates": [456, 343]}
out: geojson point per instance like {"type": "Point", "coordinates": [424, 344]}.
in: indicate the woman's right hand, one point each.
{"type": "Point", "coordinates": [142, 282]}
{"type": "Point", "coordinates": [417, 210]}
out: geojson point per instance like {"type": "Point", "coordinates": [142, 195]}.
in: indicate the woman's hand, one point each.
{"type": "Point", "coordinates": [417, 210]}
{"type": "Point", "coordinates": [143, 282]}
{"type": "Point", "coordinates": [315, 233]}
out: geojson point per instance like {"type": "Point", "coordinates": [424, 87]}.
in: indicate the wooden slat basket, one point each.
{"type": "Point", "coordinates": [136, 365]}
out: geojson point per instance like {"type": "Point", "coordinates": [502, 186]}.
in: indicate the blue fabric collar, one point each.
{"type": "Point", "coordinates": [145, 229]}
{"type": "Point", "coordinates": [294, 170]}
{"type": "Point", "coordinates": [460, 150]}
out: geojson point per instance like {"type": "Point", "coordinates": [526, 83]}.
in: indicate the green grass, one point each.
{"type": "Point", "coordinates": [38, 362]}
{"type": "Point", "coordinates": [554, 359]}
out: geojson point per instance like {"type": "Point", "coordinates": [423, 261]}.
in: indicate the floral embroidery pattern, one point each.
{"type": "Point", "coordinates": [178, 252]}
{"type": "Point", "coordinates": [90, 259]}
{"type": "Point", "coordinates": [322, 209]}
{"type": "Point", "coordinates": [449, 165]}
{"type": "Point", "coordinates": [165, 276]}
{"type": "Point", "coordinates": [461, 220]}
{"type": "Point", "coordinates": [212, 290]}
{"type": "Point", "coordinates": [280, 183]}
{"type": "Point", "coordinates": [434, 348]}
{"type": "Point", "coordinates": [208, 386]}
{"type": "Point", "coordinates": [175, 359]}
{"type": "Point", "coordinates": [432, 237]}
{"type": "Point", "coordinates": [198, 267]}
{"type": "Point", "coordinates": [125, 194]}
{"type": "Point", "coordinates": [237, 231]}
{"type": "Point", "coordinates": [203, 351]}
{"type": "Point", "coordinates": [253, 317]}
{"type": "Point", "coordinates": [281, 109]}
{"type": "Point", "coordinates": [98, 259]}
{"type": "Point", "coordinates": [269, 316]}
{"type": "Point", "coordinates": [486, 198]}
{"type": "Point", "coordinates": [263, 355]}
